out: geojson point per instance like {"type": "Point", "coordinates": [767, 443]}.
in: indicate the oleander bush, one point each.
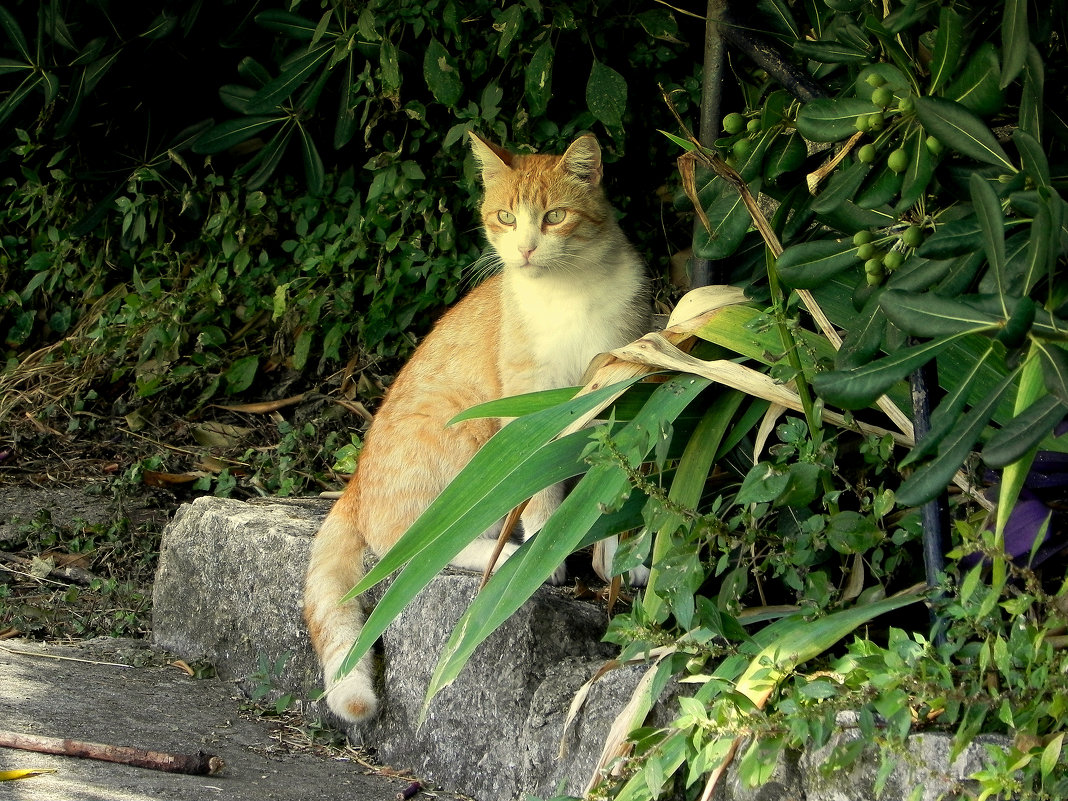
{"type": "Point", "coordinates": [908, 199]}
{"type": "Point", "coordinates": [202, 200]}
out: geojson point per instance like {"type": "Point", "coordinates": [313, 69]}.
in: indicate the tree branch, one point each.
{"type": "Point", "coordinates": [198, 764]}
{"type": "Point", "coordinates": [767, 55]}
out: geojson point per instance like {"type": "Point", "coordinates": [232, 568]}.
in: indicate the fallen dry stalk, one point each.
{"type": "Point", "coordinates": [198, 764]}
{"type": "Point", "coordinates": [70, 572]}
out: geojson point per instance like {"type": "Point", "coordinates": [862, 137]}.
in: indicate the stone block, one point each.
{"type": "Point", "coordinates": [229, 589]}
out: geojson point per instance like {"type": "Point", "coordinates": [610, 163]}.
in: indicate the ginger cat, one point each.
{"type": "Point", "coordinates": [570, 286]}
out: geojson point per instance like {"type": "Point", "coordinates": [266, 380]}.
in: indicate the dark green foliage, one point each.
{"type": "Point", "coordinates": [193, 198]}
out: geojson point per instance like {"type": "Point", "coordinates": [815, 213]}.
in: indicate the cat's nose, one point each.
{"type": "Point", "coordinates": [525, 252]}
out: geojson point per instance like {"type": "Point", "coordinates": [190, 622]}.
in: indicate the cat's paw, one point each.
{"type": "Point", "coordinates": [638, 576]}
{"type": "Point", "coordinates": [558, 577]}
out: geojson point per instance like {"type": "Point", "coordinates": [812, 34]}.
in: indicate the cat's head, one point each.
{"type": "Point", "coordinates": [543, 213]}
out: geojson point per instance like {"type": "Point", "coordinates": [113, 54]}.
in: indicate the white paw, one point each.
{"type": "Point", "coordinates": [638, 577]}
{"type": "Point", "coordinates": [558, 577]}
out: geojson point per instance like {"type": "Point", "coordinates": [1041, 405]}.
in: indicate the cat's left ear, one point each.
{"type": "Point", "coordinates": [492, 159]}
{"type": "Point", "coordinates": [583, 160]}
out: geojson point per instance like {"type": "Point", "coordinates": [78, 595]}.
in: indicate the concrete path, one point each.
{"type": "Point", "coordinates": [159, 707]}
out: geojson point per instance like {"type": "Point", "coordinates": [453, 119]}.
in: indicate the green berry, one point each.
{"type": "Point", "coordinates": [882, 97]}
{"type": "Point", "coordinates": [875, 80]}
{"type": "Point", "coordinates": [893, 260]}
{"type": "Point", "coordinates": [753, 126]}
{"type": "Point", "coordinates": [934, 146]}
{"type": "Point", "coordinates": [742, 148]}
{"type": "Point", "coordinates": [866, 155]}
{"type": "Point", "coordinates": [874, 266]}
{"type": "Point", "coordinates": [898, 161]}
{"type": "Point", "coordinates": [866, 251]}
{"type": "Point", "coordinates": [863, 123]}
{"type": "Point", "coordinates": [876, 121]}
{"type": "Point", "coordinates": [873, 279]}
{"type": "Point", "coordinates": [905, 104]}
{"type": "Point", "coordinates": [862, 237]}
{"type": "Point", "coordinates": [733, 123]}
{"type": "Point", "coordinates": [913, 236]}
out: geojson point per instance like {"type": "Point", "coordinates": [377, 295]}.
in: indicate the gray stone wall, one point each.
{"type": "Point", "coordinates": [229, 590]}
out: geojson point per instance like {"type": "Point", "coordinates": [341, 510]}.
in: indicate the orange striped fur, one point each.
{"type": "Point", "coordinates": [570, 286]}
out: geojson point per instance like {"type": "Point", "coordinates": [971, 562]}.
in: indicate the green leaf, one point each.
{"type": "Point", "coordinates": [793, 640]}
{"type": "Point", "coordinates": [1033, 158]}
{"type": "Point", "coordinates": [520, 460]}
{"type": "Point", "coordinates": [538, 78]}
{"type": "Point", "coordinates": [1043, 242]}
{"type": "Point", "coordinates": [883, 187]}
{"type": "Point", "coordinates": [1014, 40]}
{"type": "Point", "coordinates": [830, 52]}
{"type": "Point", "coordinates": [606, 95]}
{"type": "Point", "coordinates": [1024, 432]}
{"type": "Point", "coordinates": [389, 61]}
{"type": "Point", "coordinates": [233, 132]}
{"type": "Point", "coordinates": [322, 26]}
{"type": "Point", "coordinates": [241, 374]}
{"type": "Point", "coordinates": [780, 18]}
{"type": "Point", "coordinates": [730, 219]}
{"type": "Point", "coordinates": [832, 119]}
{"type": "Point", "coordinates": [529, 567]}
{"type": "Point", "coordinates": [1055, 371]}
{"type": "Point", "coordinates": [955, 238]}
{"type": "Point", "coordinates": [1031, 97]}
{"type": "Point", "coordinates": [236, 97]}
{"type": "Point", "coordinates": [864, 337]}
{"type": "Point", "coordinates": [932, 479]}
{"type": "Point", "coordinates": [9, 66]}
{"type": "Point", "coordinates": [345, 126]}
{"type": "Point", "coordinates": [992, 225]}
{"type": "Point", "coordinates": [852, 532]}
{"type": "Point", "coordinates": [268, 159]}
{"type": "Point", "coordinates": [946, 55]}
{"type": "Point", "coordinates": [1051, 755]}
{"type": "Point", "coordinates": [960, 129]}
{"type": "Point", "coordinates": [292, 25]}
{"type": "Point", "coordinates": [685, 144]}
{"type": "Point", "coordinates": [15, 98]}
{"type": "Point", "coordinates": [660, 24]}
{"type": "Point", "coordinates": [296, 73]}
{"type": "Point", "coordinates": [809, 264]}
{"type": "Point", "coordinates": [931, 315]}
{"type": "Point", "coordinates": [441, 74]}
{"type": "Point", "coordinates": [861, 386]}
{"type": "Point", "coordinates": [15, 35]}
{"type": "Point", "coordinates": [843, 185]}
{"type": "Point", "coordinates": [977, 87]}
{"type": "Point", "coordinates": [507, 25]}
{"type": "Point", "coordinates": [689, 483]}
{"type": "Point", "coordinates": [314, 173]}
{"type": "Point", "coordinates": [762, 484]}
{"type": "Point", "coordinates": [946, 414]}
{"type": "Point", "coordinates": [786, 155]}
{"type": "Point", "coordinates": [918, 173]}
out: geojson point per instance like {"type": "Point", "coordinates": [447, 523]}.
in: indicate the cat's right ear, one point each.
{"type": "Point", "coordinates": [493, 160]}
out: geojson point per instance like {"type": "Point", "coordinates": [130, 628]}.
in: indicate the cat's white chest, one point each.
{"type": "Point", "coordinates": [567, 323]}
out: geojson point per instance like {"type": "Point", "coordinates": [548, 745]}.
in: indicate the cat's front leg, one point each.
{"type": "Point", "coordinates": [540, 508]}
{"type": "Point", "coordinates": [604, 554]}
{"type": "Point", "coordinates": [477, 554]}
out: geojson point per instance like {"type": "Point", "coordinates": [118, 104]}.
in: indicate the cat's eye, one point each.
{"type": "Point", "coordinates": [506, 217]}
{"type": "Point", "coordinates": [555, 216]}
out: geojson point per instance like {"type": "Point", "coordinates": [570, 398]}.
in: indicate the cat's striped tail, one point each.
{"type": "Point", "coordinates": [335, 566]}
